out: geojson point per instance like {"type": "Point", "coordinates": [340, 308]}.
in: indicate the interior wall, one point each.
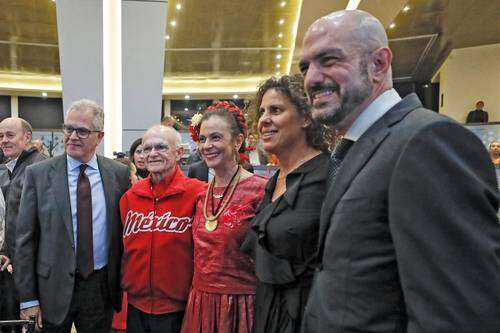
{"type": "Point", "coordinates": [468, 75]}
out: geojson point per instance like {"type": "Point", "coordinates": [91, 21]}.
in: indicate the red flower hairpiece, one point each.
{"type": "Point", "coordinates": [194, 126]}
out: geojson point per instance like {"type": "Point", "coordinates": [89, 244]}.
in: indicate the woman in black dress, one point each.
{"type": "Point", "coordinates": [284, 235]}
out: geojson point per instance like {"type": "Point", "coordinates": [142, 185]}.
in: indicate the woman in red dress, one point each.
{"type": "Point", "coordinates": [223, 290]}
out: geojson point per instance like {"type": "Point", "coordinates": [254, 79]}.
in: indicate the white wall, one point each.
{"type": "Point", "coordinates": [469, 75]}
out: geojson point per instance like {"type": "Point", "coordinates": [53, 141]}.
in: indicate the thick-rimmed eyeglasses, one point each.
{"type": "Point", "coordinates": [81, 132]}
{"type": "Point", "coordinates": [159, 147]}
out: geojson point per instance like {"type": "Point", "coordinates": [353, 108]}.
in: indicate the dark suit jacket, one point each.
{"type": "Point", "coordinates": [198, 170]}
{"type": "Point", "coordinates": [477, 116]}
{"type": "Point", "coordinates": [409, 237]}
{"type": "Point", "coordinates": [12, 185]}
{"type": "Point", "coordinates": [45, 256]}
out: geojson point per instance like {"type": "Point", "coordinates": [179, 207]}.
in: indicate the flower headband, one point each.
{"type": "Point", "coordinates": [194, 126]}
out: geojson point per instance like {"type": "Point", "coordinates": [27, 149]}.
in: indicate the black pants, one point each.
{"type": "Point", "coordinates": [9, 307]}
{"type": "Point", "coordinates": [90, 308]}
{"type": "Point", "coordinates": [141, 322]}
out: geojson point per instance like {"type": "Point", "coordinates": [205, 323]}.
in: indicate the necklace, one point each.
{"type": "Point", "coordinates": [211, 221]}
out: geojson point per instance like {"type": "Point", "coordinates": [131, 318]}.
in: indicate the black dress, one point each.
{"type": "Point", "coordinates": [285, 238]}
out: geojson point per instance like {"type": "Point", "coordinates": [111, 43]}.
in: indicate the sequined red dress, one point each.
{"type": "Point", "coordinates": [224, 282]}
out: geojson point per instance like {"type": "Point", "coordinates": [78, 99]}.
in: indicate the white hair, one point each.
{"type": "Point", "coordinates": [87, 104]}
{"type": "Point", "coordinates": [168, 131]}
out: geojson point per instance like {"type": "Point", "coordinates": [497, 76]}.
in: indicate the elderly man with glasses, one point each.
{"type": "Point", "coordinates": [157, 213]}
{"type": "Point", "coordinates": [68, 244]}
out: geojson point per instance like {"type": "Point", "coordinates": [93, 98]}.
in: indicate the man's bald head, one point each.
{"type": "Point", "coordinates": [168, 132]}
{"type": "Point", "coordinates": [15, 136]}
{"type": "Point", "coordinates": [357, 26]}
{"type": "Point", "coordinates": [346, 65]}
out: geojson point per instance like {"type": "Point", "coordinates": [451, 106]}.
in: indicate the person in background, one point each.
{"type": "Point", "coordinates": [137, 157]}
{"type": "Point", "coordinates": [15, 141]}
{"type": "Point", "coordinates": [223, 288]}
{"type": "Point", "coordinates": [478, 115]}
{"type": "Point", "coordinates": [168, 121]}
{"type": "Point", "coordinates": [494, 149]}
{"type": "Point", "coordinates": [256, 154]}
{"type": "Point", "coordinates": [131, 167]}
{"type": "Point", "coordinates": [5, 265]}
{"type": "Point", "coordinates": [38, 144]}
{"type": "Point", "coordinates": [157, 214]}
{"type": "Point", "coordinates": [284, 233]}
{"type": "Point", "coordinates": [68, 240]}
{"type": "Point", "coordinates": [409, 237]}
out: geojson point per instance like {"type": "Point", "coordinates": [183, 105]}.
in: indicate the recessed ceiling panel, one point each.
{"type": "Point", "coordinates": [224, 38]}
{"type": "Point", "coordinates": [28, 37]}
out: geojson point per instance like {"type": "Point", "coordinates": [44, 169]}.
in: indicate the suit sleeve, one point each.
{"type": "Point", "coordinates": [27, 242]}
{"type": "Point", "coordinates": [469, 117]}
{"type": "Point", "coordinates": [443, 202]}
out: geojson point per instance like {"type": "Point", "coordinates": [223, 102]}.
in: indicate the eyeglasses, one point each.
{"type": "Point", "coordinates": [159, 147]}
{"type": "Point", "coordinates": [81, 132]}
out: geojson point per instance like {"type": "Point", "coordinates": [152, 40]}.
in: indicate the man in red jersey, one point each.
{"type": "Point", "coordinates": [157, 212]}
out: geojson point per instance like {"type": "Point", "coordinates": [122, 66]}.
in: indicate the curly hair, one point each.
{"type": "Point", "coordinates": [232, 115]}
{"type": "Point", "coordinates": [292, 86]}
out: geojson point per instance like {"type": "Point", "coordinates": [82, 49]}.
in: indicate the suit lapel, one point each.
{"type": "Point", "coordinates": [358, 156]}
{"type": "Point", "coordinates": [108, 184]}
{"type": "Point", "coordinates": [59, 181]}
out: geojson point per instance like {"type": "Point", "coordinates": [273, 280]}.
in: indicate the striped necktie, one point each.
{"type": "Point", "coordinates": [336, 158]}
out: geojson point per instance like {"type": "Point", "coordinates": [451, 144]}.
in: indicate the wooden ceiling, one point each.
{"type": "Point", "coordinates": [28, 37]}
{"type": "Point", "coordinates": [224, 39]}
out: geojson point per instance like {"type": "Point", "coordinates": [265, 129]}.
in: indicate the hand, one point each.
{"type": "Point", "coordinates": [33, 311]}
{"type": "Point", "coordinates": [4, 262]}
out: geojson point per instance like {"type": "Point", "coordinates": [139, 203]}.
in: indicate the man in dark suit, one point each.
{"type": "Point", "coordinates": [15, 141]}
{"type": "Point", "coordinates": [68, 242]}
{"type": "Point", "coordinates": [478, 115]}
{"type": "Point", "coordinates": [409, 238]}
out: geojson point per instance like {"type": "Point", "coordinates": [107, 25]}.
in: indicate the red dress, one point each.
{"type": "Point", "coordinates": [223, 290]}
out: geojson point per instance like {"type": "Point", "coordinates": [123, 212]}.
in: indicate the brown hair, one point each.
{"type": "Point", "coordinates": [292, 86]}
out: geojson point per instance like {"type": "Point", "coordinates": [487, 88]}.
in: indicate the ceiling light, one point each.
{"type": "Point", "coordinates": [187, 97]}
{"type": "Point", "coordinates": [167, 37]}
{"type": "Point", "coordinates": [352, 4]}
{"type": "Point", "coordinates": [426, 86]}
{"type": "Point", "coordinates": [44, 94]}
{"type": "Point", "coordinates": [173, 23]}
{"type": "Point", "coordinates": [186, 109]}
{"type": "Point", "coordinates": [283, 3]}
{"type": "Point", "coordinates": [392, 25]}
{"type": "Point", "coordinates": [279, 46]}
{"type": "Point", "coordinates": [235, 96]}
{"type": "Point", "coordinates": [278, 65]}
{"type": "Point", "coordinates": [178, 6]}
{"type": "Point", "coordinates": [406, 8]}
{"type": "Point", "coordinates": [53, 0]}
{"type": "Point", "coordinates": [278, 56]}
{"type": "Point", "coordinates": [281, 21]}
{"type": "Point", "coordinates": [280, 35]}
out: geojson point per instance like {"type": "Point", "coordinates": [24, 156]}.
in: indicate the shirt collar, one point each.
{"type": "Point", "coordinates": [372, 113]}
{"type": "Point", "coordinates": [73, 164]}
{"type": "Point", "coordinates": [11, 165]}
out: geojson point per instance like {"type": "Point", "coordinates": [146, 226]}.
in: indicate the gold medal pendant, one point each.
{"type": "Point", "coordinates": [211, 223]}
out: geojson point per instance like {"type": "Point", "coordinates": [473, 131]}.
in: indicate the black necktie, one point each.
{"type": "Point", "coordinates": [84, 249]}
{"type": "Point", "coordinates": [336, 158]}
